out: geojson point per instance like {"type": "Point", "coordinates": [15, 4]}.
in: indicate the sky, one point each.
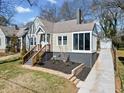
{"type": "Point", "coordinates": [26, 13]}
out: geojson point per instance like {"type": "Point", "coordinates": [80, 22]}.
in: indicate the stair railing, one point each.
{"type": "Point", "coordinates": [38, 56]}
{"type": "Point", "coordinates": [28, 55]}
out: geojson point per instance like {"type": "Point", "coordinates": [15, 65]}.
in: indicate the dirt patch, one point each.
{"type": "Point", "coordinates": [59, 66]}
{"type": "Point", "coordinates": [3, 54]}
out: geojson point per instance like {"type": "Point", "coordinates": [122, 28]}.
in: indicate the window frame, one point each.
{"type": "Point", "coordinates": [31, 41]}
{"type": "Point", "coordinates": [63, 40]}
{"type": "Point", "coordinates": [82, 51]}
{"type": "Point", "coordinates": [59, 42]}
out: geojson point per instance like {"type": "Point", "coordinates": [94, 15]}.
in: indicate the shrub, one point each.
{"type": "Point", "coordinates": [23, 51]}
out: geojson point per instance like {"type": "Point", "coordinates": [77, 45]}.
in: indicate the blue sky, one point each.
{"type": "Point", "coordinates": [25, 12]}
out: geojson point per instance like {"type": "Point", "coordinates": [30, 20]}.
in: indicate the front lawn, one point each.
{"type": "Point", "coordinates": [120, 65]}
{"type": "Point", "coordinates": [15, 79]}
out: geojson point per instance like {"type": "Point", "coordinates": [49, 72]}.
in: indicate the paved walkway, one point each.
{"type": "Point", "coordinates": [101, 78]}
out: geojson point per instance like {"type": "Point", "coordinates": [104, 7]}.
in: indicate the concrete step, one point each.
{"type": "Point", "coordinates": [73, 79]}
{"type": "Point", "coordinates": [70, 77]}
{"type": "Point", "coordinates": [76, 81]}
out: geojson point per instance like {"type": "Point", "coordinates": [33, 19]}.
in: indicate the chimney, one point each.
{"type": "Point", "coordinates": [16, 27]}
{"type": "Point", "coordinates": [79, 21]}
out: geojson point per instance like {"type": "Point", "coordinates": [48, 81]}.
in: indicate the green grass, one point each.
{"type": "Point", "coordinates": [15, 79]}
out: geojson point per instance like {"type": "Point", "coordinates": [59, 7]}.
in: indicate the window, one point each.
{"type": "Point", "coordinates": [34, 40]}
{"type": "Point", "coordinates": [81, 41]}
{"type": "Point", "coordinates": [87, 41]}
{"type": "Point", "coordinates": [75, 41]}
{"type": "Point", "coordinates": [42, 38]}
{"type": "Point", "coordinates": [0, 41]}
{"type": "Point", "coordinates": [59, 40]}
{"type": "Point", "coordinates": [64, 40]}
{"type": "Point", "coordinates": [48, 38]}
{"type": "Point", "coordinates": [31, 41]}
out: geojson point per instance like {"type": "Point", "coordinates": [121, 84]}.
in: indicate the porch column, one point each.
{"type": "Point", "coordinates": [21, 45]}
{"type": "Point", "coordinates": [38, 41]}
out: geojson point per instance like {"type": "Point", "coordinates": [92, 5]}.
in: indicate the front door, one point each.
{"type": "Point", "coordinates": [43, 40]}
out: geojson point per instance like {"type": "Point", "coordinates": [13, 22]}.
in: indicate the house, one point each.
{"type": "Point", "coordinates": [73, 39]}
{"type": "Point", "coordinates": [6, 33]}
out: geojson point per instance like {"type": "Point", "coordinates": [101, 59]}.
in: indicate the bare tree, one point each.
{"type": "Point", "coordinates": [109, 16]}
{"type": "Point", "coordinates": [6, 9]}
{"type": "Point", "coordinates": [66, 11]}
{"type": "Point", "coordinates": [49, 13]}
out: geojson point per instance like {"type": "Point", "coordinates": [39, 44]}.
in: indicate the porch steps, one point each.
{"type": "Point", "coordinates": [29, 62]}
{"type": "Point", "coordinates": [74, 79]}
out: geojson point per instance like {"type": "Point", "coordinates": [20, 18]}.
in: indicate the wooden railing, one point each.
{"type": "Point", "coordinates": [28, 55]}
{"type": "Point", "coordinates": [38, 56]}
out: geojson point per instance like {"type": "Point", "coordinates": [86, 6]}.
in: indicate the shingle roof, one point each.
{"type": "Point", "coordinates": [48, 26]}
{"type": "Point", "coordinates": [21, 32]}
{"type": "Point", "coordinates": [72, 26]}
{"type": "Point", "coordinates": [66, 26]}
{"type": "Point", "coordinates": [8, 31]}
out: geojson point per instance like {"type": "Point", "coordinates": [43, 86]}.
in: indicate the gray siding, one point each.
{"type": "Point", "coordinates": [87, 58]}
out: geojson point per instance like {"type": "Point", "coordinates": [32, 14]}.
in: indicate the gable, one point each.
{"type": "Point", "coordinates": [39, 30]}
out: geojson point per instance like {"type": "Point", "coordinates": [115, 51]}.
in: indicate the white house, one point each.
{"type": "Point", "coordinates": [72, 38]}
{"type": "Point", "coordinates": [5, 34]}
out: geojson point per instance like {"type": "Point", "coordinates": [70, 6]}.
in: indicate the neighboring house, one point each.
{"type": "Point", "coordinates": [5, 34]}
{"type": "Point", "coordinates": [73, 39]}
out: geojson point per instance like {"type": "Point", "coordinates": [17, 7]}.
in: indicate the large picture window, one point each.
{"type": "Point", "coordinates": [87, 41]}
{"type": "Point", "coordinates": [81, 41]}
{"type": "Point", "coordinates": [75, 41]}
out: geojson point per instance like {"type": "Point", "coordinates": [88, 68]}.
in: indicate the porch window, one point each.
{"type": "Point", "coordinates": [34, 40]}
{"type": "Point", "coordinates": [59, 40]}
{"type": "Point", "coordinates": [64, 40]}
{"type": "Point", "coordinates": [48, 38]}
{"type": "Point", "coordinates": [43, 37]}
{"type": "Point", "coordinates": [31, 41]}
{"type": "Point", "coordinates": [81, 41]}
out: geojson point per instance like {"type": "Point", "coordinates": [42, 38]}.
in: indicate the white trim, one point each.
{"type": "Point", "coordinates": [37, 18]}
{"type": "Point", "coordinates": [91, 42]}
{"type": "Point", "coordinates": [81, 32]}
{"type": "Point", "coordinates": [82, 51]}
{"type": "Point", "coordinates": [62, 40]}
{"type": "Point", "coordinates": [93, 33]}
{"type": "Point", "coordinates": [39, 27]}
